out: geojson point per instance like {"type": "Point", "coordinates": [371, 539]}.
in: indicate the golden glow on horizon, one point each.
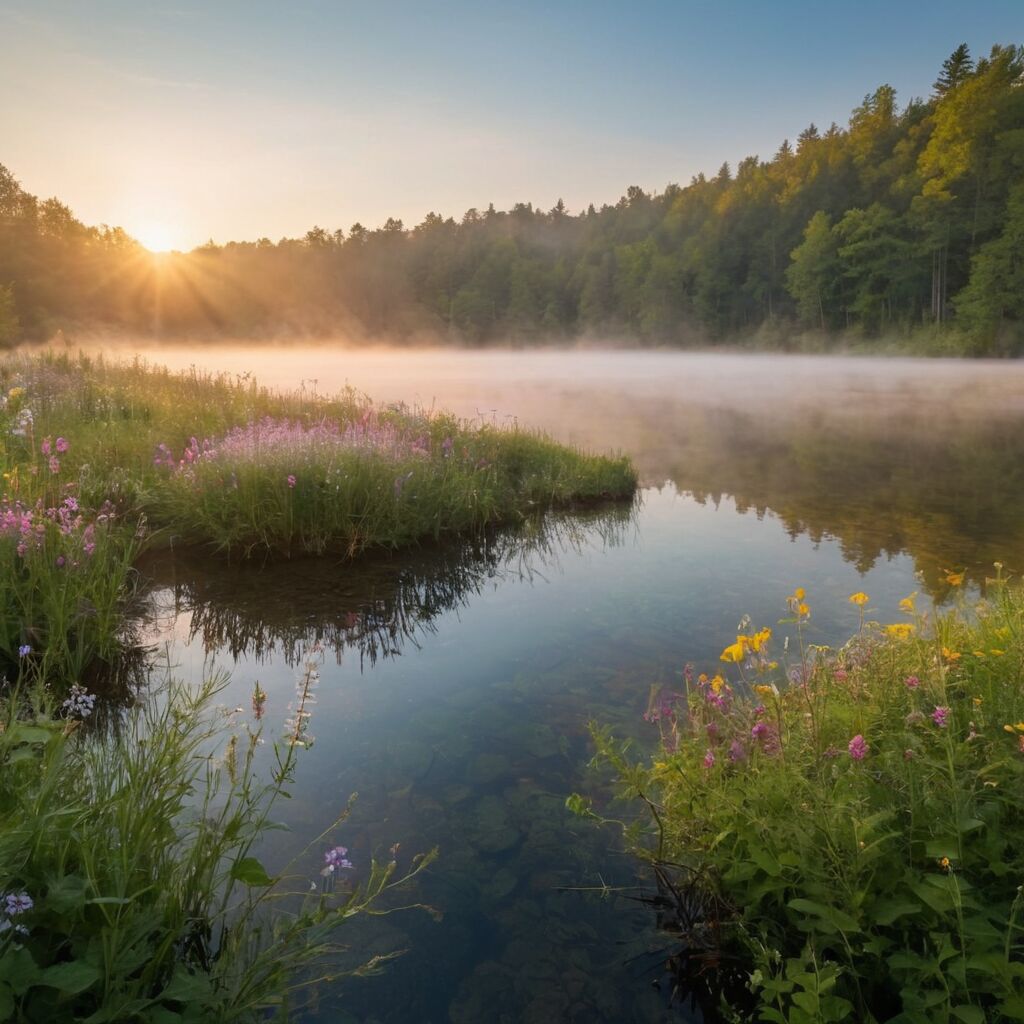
{"type": "Point", "coordinates": [157, 237]}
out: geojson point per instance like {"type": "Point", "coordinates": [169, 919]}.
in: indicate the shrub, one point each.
{"type": "Point", "coordinates": [855, 818]}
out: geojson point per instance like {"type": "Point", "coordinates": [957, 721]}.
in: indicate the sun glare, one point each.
{"type": "Point", "coordinates": [157, 237]}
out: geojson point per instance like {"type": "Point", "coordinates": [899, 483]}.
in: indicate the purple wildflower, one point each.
{"type": "Point", "coordinates": [80, 703]}
{"type": "Point", "coordinates": [737, 752]}
{"type": "Point", "coordinates": [291, 479]}
{"type": "Point", "coordinates": [62, 445]}
{"type": "Point", "coordinates": [940, 716]}
{"type": "Point", "coordinates": [54, 464]}
{"type": "Point", "coordinates": [24, 651]}
{"type": "Point", "coordinates": [911, 682]}
{"type": "Point", "coordinates": [858, 748]}
{"type": "Point", "coordinates": [709, 758]}
{"type": "Point", "coordinates": [17, 903]}
{"type": "Point", "coordinates": [336, 858]}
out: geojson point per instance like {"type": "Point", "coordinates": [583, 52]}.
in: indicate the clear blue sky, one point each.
{"type": "Point", "coordinates": [234, 120]}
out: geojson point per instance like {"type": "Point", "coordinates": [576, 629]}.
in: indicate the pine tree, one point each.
{"type": "Point", "coordinates": [957, 67]}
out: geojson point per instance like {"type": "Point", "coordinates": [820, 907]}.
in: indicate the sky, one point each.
{"type": "Point", "coordinates": [222, 120]}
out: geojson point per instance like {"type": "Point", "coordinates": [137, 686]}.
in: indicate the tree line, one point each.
{"type": "Point", "coordinates": [908, 221]}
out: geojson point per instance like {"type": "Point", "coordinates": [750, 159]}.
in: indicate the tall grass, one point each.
{"type": "Point", "coordinates": [129, 888]}
{"type": "Point", "coordinates": [99, 459]}
{"type": "Point", "coordinates": [851, 824]}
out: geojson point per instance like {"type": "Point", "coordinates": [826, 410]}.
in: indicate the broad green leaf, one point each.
{"type": "Point", "coordinates": [886, 911]}
{"type": "Point", "coordinates": [72, 977]}
{"type": "Point", "coordinates": [249, 871]}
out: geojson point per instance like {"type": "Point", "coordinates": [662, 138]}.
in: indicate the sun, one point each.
{"type": "Point", "coordinates": [157, 236]}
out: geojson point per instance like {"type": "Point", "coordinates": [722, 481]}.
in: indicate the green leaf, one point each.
{"type": "Point", "coordinates": [73, 977]}
{"type": "Point", "coordinates": [249, 871]}
{"type": "Point", "coordinates": [18, 969]}
{"type": "Point", "coordinates": [66, 893]}
{"type": "Point", "coordinates": [886, 911]}
{"type": "Point", "coordinates": [186, 988]}
{"type": "Point", "coordinates": [837, 919]}
{"type": "Point", "coordinates": [6, 1002]}
{"type": "Point", "coordinates": [968, 1014]}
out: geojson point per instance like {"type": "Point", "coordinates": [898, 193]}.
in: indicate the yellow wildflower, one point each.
{"type": "Point", "coordinates": [907, 604]}
{"type": "Point", "coordinates": [799, 594]}
{"type": "Point", "coordinates": [944, 863]}
{"type": "Point", "coordinates": [802, 609]}
{"type": "Point", "coordinates": [716, 684]}
{"type": "Point", "coordinates": [765, 690]}
{"type": "Point", "coordinates": [954, 579]}
{"type": "Point", "coordinates": [1019, 727]}
{"type": "Point", "coordinates": [977, 701]}
{"type": "Point", "coordinates": [15, 393]}
{"type": "Point", "coordinates": [996, 652]}
{"type": "Point", "coordinates": [758, 640]}
{"type": "Point", "coordinates": [978, 654]}
{"type": "Point", "coordinates": [900, 630]}
{"type": "Point", "coordinates": [860, 598]}
{"type": "Point", "coordinates": [734, 652]}
{"type": "Point", "coordinates": [951, 655]}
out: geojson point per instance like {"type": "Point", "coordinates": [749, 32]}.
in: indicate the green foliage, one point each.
{"type": "Point", "coordinates": [9, 322]}
{"type": "Point", "coordinates": [135, 848]}
{"type": "Point", "coordinates": [864, 822]}
{"type": "Point", "coordinates": [915, 195]}
{"type": "Point", "coordinates": [101, 459]}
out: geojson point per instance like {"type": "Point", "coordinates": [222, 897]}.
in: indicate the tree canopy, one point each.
{"type": "Point", "coordinates": [907, 221]}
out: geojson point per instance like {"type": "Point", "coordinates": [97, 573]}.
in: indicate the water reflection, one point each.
{"type": "Point", "coordinates": [374, 606]}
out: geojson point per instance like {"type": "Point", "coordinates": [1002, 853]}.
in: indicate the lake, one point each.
{"type": "Point", "coordinates": [457, 681]}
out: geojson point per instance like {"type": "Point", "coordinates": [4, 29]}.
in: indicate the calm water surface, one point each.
{"type": "Point", "coordinates": [457, 682]}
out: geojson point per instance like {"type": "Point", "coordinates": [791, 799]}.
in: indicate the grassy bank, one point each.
{"type": "Point", "coordinates": [99, 459]}
{"type": "Point", "coordinates": [844, 830]}
{"type": "Point", "coordinates": [129, 889]}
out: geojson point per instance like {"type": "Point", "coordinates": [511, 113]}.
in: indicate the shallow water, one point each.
{"type": "Point", "coordinates": [457, 682]}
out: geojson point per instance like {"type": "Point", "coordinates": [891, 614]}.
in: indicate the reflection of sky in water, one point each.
{"type": "Point", "coordinates": [473, 736]}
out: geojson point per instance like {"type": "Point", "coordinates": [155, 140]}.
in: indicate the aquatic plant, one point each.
{"type": "Point", "coordinates": [854, 817]}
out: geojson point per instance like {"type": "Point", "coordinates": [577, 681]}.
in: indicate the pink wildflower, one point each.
{"type": "Point", "coordinates": [858, 748]}
{"type": "Point", "coordinates": [44, 447]}
{"type": "Point", "coordinates": [62, 445]}
{"type": "Point", "coordinates": [940, 716]}
{"type": "Point", "coordinates": [709, 759]}
{"type": "Point", "coordinates": [291, 479]}
{"type": "Point", "coordinates": [912, 682]}
{"type": "Point", "coordinates": [54, 464]}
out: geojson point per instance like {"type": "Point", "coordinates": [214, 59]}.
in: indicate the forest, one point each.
{"type": "Point", "coordinates": [905, 225]}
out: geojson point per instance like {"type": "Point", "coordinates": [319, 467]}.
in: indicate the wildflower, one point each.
{"type": "Point", "coordinates": [734, 652]}
{"type": "Point", "coordinates": [54, 464]}
{"type": "Point", "coordinates": [334, 859]}
{"type": "Point", "coordinates": [840, 675]}
{"type": "Point", "coordinates": [79, 703]}
{"type": "Point", "coordinates": [954, 579]}
{"type": "Point", "coordinates": [951, 656]}
{"type": "Point", "coordinates": [291, 480]}
{"type": "Point", "coordinates": [900, 630]}
{"type": "Point", "coordinates": [17, 903]}
{"type": "Point", "coordinates": [1019, 727]}
{"type": "Point", "coordinates": [860, 598]}
{"type": "Point", "coordinates": [830, 752]}
{"type": "Point", "coordinates": [765, 690]}
{"type": "Point", "coordinates": [907, 603]}
{"type": "Point", "coordinates": [940, 716]}
{"type": "Point", "coordinates": [44, 446]}
{"type": "Point", "coordinates": [911, 682]}
{"type": "Point", "coordinates": [944, 864]}
{"type": "Point", "coordinates": [914, 718]}
{"type": "Point", "coordinates": [737, 752]}
{"type": "Point", "coordinates": [858, 748]}
{"type": "Point", "coordinates": [259, 700]}
{"type": "Point", "coordinates": [709, 758]}
{"type": "Point", "coordinates": [62, 445]}
{"type": "Point", "coordinates": [908, 754]}
{"type": "Point", "coordinates": [24, 651]}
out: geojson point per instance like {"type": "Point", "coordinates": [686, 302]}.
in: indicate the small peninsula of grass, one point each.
{"type": "Point", "coordinates": [101, 458]}
{"type": "Point", "coordinates": [842, 836]}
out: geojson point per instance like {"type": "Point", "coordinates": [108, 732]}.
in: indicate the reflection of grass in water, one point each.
{"type": "Point", "coordinates": [374, 605]}
{"type": "Point", "coordinates": [97, 454]}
